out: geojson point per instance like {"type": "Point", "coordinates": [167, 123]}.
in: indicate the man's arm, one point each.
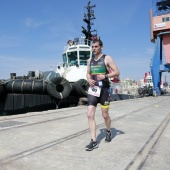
{"type": "Point", "coordinates": [88, 75]}
{"type": "Point", "coordinates": [111, 65]}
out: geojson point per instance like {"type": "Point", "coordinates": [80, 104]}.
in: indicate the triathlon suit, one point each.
{"type": "Point", "coordinates": [99, 67]}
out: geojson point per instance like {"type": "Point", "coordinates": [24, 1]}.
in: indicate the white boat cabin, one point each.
{"type": "Point", "coordinates": [75, 56]}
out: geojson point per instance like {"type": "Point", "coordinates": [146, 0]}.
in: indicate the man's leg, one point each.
{"type": "Point", "coordinates": [105, 114]}
{"type": "Point", "coordinates": [108, 123]}
{"type": "Point", "coordinates": [91, 121]}
{"type": "Point", "coordinates": [92, 125]}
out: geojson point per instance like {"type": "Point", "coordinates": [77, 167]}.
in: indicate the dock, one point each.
{"type": "Point", "coordinates": [56, 139]}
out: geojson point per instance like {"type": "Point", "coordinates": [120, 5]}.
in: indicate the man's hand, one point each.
{"type": "Point", "coordinates": [100, 76]}
{"type": "Point", "coordinates": [91, 82]}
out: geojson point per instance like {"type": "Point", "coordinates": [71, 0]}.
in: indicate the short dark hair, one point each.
{"type": "Point", "coordinates": [99, 41]}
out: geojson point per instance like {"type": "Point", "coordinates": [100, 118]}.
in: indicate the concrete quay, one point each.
{"type": "Point", "coordinates": [56, 139]}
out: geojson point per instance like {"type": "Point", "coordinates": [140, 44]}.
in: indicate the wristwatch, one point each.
{"type": "Point", "coordinates": [106, 76]}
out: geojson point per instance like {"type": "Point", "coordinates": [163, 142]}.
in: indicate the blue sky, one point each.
{"type": "Point", "coordinates": [33, 33]}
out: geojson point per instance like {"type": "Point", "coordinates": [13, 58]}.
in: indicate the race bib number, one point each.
{"type": "Point", "coordinates": [94, 90]}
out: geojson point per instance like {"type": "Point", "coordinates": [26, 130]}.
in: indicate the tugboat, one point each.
{"type": "Point", "coordinates": [78, 51]}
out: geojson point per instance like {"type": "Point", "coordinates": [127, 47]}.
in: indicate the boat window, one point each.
{"type": "Point", "coordinates": [72, 58]}
{"type": "Point", "coordinates": [64, 59]}
{"type": "Point", "coordinates": [84, 56]}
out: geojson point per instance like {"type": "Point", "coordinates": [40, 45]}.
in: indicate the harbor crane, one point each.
{"type": "Point", "coordinates": [160, 35]}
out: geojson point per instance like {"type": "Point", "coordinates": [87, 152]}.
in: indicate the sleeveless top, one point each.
{"type": "Point", "coordinates": [99, 67]}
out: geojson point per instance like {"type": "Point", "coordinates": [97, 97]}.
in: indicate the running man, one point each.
{"type": "Point", "coordinates": [98, 78]}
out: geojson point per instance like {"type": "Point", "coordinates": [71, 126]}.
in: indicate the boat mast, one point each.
{"type": "Point", "coordinates": [87, 19]}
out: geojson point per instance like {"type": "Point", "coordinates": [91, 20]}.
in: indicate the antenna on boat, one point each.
{"type": "Point", "coordinates": [87, 19]}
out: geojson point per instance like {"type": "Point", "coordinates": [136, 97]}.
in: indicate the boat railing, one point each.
{"type": "Point", "coordinates": [77, 41]}
{"type": "Point", "coordinates": [72, 63]}
{"type": "Point", "coordinates": [83, 41]}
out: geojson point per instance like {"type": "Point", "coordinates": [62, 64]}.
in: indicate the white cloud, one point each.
{"type": "Point", "coordinates": [33, 24]}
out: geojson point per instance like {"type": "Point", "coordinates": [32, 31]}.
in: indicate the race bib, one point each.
{"type": "Point", "coordinates": [94, 90]}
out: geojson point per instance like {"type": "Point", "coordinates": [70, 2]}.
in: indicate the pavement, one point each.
{"type": "Point", "coordinates": [56, 139]}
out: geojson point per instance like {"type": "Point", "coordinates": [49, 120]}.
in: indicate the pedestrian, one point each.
{"type": "Point", "coordinates": [98, 92]}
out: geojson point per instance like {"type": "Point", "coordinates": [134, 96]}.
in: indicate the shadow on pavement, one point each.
{"type": "Point", "coordinates": [102, 134]}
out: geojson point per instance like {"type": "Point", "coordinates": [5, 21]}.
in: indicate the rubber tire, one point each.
{"type": "Point", "coordinates": [73, 89]}
{"type": "Point", "coordinates": [59, 88]}
{"type": "Point", "coordinates": [26, 87]}
{"type": "Point", "coordinates": [82, 86]}
{"type": "Point", "coordinates": [39, 87]}
{"type": "Point", "coordinates": [14, 86]}
{"type": "Point", "coordinates": [2, 91]}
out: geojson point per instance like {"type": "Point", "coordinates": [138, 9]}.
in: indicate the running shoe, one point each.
{"type": "Point", "coordinates": [92, 145]}
{"type": "Point", "coordinates": [108, 136]}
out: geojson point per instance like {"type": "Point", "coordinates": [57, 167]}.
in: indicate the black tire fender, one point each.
{"type": "Point", "coordinates": [73, 89]}
{"type": "Point", "coordinates": [82, 86]}
{"type": "Point", "coordinates": [2, 91]}
{"type": "Point", "coordinates": [59, 88]}
{"type": "Point", "coordinates": [27, 86]}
